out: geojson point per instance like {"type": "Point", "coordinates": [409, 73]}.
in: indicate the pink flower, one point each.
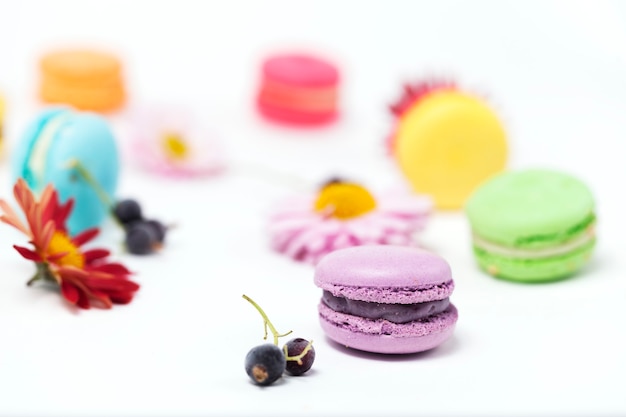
{"type": "Point", "coordinates": [170, 141]}
{"type": "Point", "coordinates": [344, 214]}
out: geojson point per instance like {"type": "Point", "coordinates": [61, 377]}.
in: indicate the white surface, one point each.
{"type": "Point", "coordinates": [555, 72]}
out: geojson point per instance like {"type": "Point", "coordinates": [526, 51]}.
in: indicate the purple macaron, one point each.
{"type": "Point", "coordinates": [386, 299]}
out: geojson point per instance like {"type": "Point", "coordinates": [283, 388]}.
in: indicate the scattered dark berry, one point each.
{"type": "Point", "coordinates": [296, 357]}
{"type": "Point", "coordinates": [265, 364]}
{"type": "Point", "coordinates": [141, 239]}
{"type": "Point", "coordinates": [127, 211]}
{"type": "Point", "coordinates": [159, 229]}
{"type": "Point", "coordinates": [332, 180]}
{"type": "Point", "coordinates": [295, 347]}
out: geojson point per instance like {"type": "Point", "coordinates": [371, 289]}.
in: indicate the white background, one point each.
{"type": "Point", "coordinates": [555, 71]}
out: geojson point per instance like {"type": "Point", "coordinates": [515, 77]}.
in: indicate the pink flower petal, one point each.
{"type": "Point", "coordinates": [299, 232]}
{"type": "Point", "coordinates": [150, 123]}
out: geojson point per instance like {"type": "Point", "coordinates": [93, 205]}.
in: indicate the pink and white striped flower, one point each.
{"type": "Point", "coordinates": [344, 214]}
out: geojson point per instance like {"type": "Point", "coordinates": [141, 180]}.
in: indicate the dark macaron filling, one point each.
{"type": "Point", "coordinates": [395, 313]}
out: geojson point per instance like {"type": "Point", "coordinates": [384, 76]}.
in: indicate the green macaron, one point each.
{"type": "Point", "coordinates": [532, 225]}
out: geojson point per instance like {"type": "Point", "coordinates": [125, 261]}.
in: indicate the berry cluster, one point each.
{"type": "Point", "coordinates": [143, 236]}
{"type": "Point", "coordinates": [266, 363]}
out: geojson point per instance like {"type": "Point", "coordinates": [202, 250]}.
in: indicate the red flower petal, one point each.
{"type": "Point", "coordinates": [61, 213]}
{"type": "Point", "coordinates": [83, 301]}
{"type": "Point", "coordinates": [85, 236]}
{"type": "Point", "coordinates": [56, 256]}
{"type": "Point", "coordinates": [28, 254]}
{"type": "Point", "coordinates": [103, 298]}
{"type": "Point", "coordinates": [70, 292]}
{"type": "Point", "coordinates": [72, 273]}
{"type": "Point", "coordinates": [121, 298]}
{"type": "Point", "coordinates": [111, 268]}
{"type": "Point", "coordinates": [49, 199]}
{"type": "Point", "coordinates": [413, 93]}
{"type": "Point", "coordinates": [95, 254]}
{"type": "Point", "coordinates": [11, 218]}
{"type": "Point", "coordinates": [46, 235]}
{"type": "Point", "coordinates": [111, 284]}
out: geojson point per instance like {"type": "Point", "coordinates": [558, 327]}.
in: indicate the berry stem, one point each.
{"type": "Point", "coordinates": [91, 181]}
{"type": "Point", "coordinates": [298, 358]}
{"type": "Point", "coordinates": [266, 322]}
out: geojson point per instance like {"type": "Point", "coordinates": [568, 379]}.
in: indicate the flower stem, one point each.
{"type": "Point", "coordinates": [266, 322]}
{"type": "Point", "coordinates": [91, 181]}
{"type": "Point", "coordinates": [43, 272]}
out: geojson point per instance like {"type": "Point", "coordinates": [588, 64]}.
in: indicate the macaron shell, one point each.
{"type": "Point", "coordinates": [300, 70]}
{"type": "Point", "coordinates": [381, 336]}
{"type": "Point", "coordinates": [298, 89]}
{"type": "Point", "coordinates": [531, 207]}
{"type": "Point", "coordinates": [80, 64]}
{"type": "Point", "coordinates": [304, 99]}
{"type": "Point", "coordinates": [85, 137]}
{"type": "Point", "coordinates": [88, 139]}
{"type": "Point", "coordinates": [295, 116]}
{"type": "Point", "coordinates": [89, 97]}
{"type": "Point", "coordinates": [21, 153]}
{"type": "Point", "coordinates": [535, 270]}
{"type": "Point", "coordinates": [85, 79]}
{"type": "Point", "coordinates": [449, 143]}
{"type": "Point", "coordinates": [385, 274]}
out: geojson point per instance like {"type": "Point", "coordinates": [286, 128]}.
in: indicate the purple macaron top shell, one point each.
{"type": "Point", "coordinates": [385, 274]}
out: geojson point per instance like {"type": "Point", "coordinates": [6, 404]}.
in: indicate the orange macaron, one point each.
{"type": "Point", "coordinates": [86, 79]}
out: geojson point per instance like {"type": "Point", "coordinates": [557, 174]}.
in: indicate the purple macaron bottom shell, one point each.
{"type": "Point", "coordinates": [382, 336]}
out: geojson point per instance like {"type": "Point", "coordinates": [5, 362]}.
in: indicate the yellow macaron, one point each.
{"type": "Point", "coordinates": [448, 142]}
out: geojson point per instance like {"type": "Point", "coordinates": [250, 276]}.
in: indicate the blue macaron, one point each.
{"type": "Point", "coordinates": [48, 151]}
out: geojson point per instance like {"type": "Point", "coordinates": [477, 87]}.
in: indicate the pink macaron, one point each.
{"type": "Point", "coordinates": [386, 299]}
{"type": "Point", "coordinates": [298, 89]}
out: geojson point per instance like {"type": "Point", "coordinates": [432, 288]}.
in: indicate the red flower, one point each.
{"type": "Point", "coordinates": [85, 277]}
{"type": "Point", "coordinates": [412, 94]}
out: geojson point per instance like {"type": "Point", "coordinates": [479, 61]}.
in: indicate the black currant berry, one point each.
{"type": "Point", "coordinates": [296, 347]}
{"type": "Point", "coordinates": [265, 364]}
{"type": "Point", "coordinates": [332, 180]}
{"type": "Point", "coordinates": [141, 238]}
{"type": "Point", "coordinates": [127, 211]}
{"type": "Point", "coordinates": [159, 229]}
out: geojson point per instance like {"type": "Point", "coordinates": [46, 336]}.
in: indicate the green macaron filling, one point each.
{"type": "Point", "coordinates": [539, 269]}
{"type": "Point", "coordinates": [556, 238]}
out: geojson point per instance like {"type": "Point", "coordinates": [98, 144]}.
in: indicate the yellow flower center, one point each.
{"type": "Point", "coordinates": [59, 243]}
{"type": "Point", "coordinates": [344, 200]}
{"type": "Point", "coordinates": [174, 146]}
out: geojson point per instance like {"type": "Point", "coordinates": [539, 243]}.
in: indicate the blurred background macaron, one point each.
{"type": "Point", "coordinates": [532, 225]}
{"type": "Point", "coordinates": [386, 298]}
{"type": "Point", "coordinates": [55, 147]}
{"type": "Point", "coordinates": [446, 141]}
{"type": "Point", "coordinates": [1, 123]}
{"type": "Point", "coordinates": [86, 79]}
{"type": "Point", "coordinates": [299, 89]}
